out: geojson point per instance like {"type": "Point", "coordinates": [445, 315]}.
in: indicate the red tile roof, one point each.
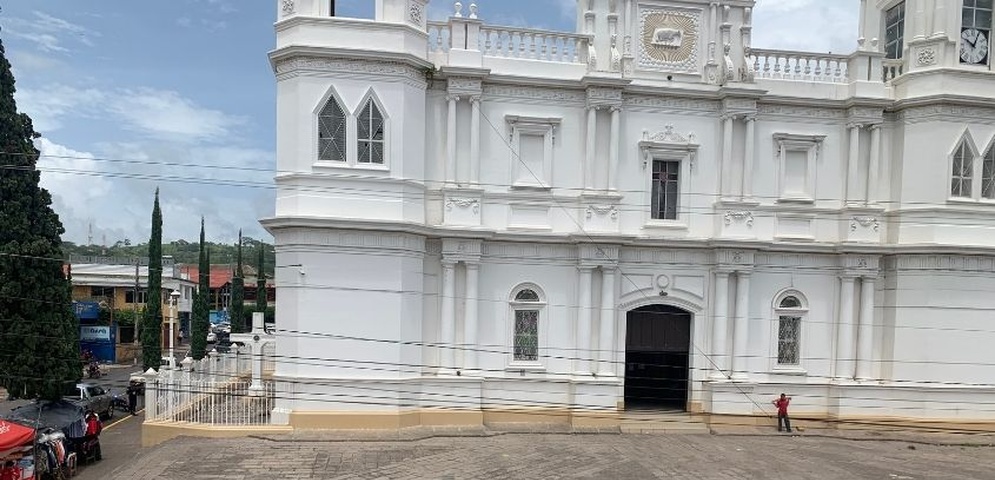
{"type": "Point", "coordinates": [219, 276]}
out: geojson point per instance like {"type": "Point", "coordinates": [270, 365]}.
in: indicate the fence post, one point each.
{"type": "Point", "coordinates": [151, 395]}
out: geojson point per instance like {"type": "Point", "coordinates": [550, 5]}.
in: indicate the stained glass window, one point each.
{"type": "Point", "coordinates": [526, 335]}
{"type": "Point", "coordinates": [332, 132]}
{"type": "Point", "coordinates": [370, 132]}
{"type": "Point", "coordinates": [787, 340]}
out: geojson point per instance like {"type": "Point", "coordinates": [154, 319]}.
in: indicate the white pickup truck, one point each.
{"type": "Point", "coordinates": [91, 397]}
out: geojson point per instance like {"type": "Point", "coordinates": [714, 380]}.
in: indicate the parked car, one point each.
{"type": "Point", "coordinates": [91, 397]}
{"type": "Point", "coordinates": [212, 337]}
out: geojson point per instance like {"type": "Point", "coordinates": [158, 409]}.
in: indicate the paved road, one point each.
{"type": "Point", "coordinates": [563, 457]}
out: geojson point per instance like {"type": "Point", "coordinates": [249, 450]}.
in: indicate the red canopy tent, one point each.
{"type": "Point", "coordinates": [14, 438]}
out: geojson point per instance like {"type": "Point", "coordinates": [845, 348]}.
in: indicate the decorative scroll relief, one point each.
{"type": "Point", "coordinates": [463, 203]}
{"type": "Point", "coordinates": [739, 217]}
{"type": "Point", "coordinates": [865, 222]}
{"type": "Point", "coordinates": [603, 97]}
{"type": "Point", "coordinates": [609, 211]}
{"type": "Point", "coordinates": [669, 39]}
{"type": "Point", "coordinates": [462, 85]}
{"type": "Point", "coordinates": [668, 144]}
{"type": "Point", "coordinates": [288, 7]}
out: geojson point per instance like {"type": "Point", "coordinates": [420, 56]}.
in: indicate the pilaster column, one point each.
{"type": "Point", "coordinates": [845, 347]}
{"type": "Point", "coordinates": [940, 19]}
{"type": "Point", "coordinates": [851, 165]}
{"type": "Point", "coordinates": [865, 334]}
{"type": "Point", "coordinates": [613, 147]}
{"type": "Point", "coordinates": [470, 341]}
{"type": "Point", "coordinates": [592, 142]}
{"type": "Point", "coordinates": [720, 326]}
{"type": "Point", "coordinates": [751, 121]}
{"type": "Point", "coordinates": [583, 356]}
{"type": "Point", "coordinates": [741, 327]}
{"type": "Point", "coordinates": [475, 139]}
{"type": "Point", "coordinates": [606, 340]}
{"type": "Point", "coordinates": [447, 330]}
{"type": "Point", "coordinates": [874, 164]}
{"type": "Point", "coordinates": [451, 139]}
{"type": "Point", "coordinates": [726, 182]}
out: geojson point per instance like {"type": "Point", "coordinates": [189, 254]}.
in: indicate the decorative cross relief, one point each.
{"type": "Point", "coordinates": [288, 7]}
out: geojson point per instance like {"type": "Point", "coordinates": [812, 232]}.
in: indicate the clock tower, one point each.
{"type": "Point", "coordinates": [929, 34]}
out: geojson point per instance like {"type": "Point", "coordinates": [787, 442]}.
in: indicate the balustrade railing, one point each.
{"type": "Point", "coordinates": [800, 66]}
{"type": "Point", "coordinates": [511, 42]}
{"type": "Point", "coordinates": [213, 391]}
{"type": "Point", "coordinates": [892, 68]}
{"type": "Point", "coordinates": [533, 44]}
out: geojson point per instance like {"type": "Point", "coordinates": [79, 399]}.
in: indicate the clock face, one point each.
{"type": "Point", "coordinates": [973, 46]}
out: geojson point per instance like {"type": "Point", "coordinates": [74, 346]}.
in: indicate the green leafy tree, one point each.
{"type": "Point", "coordinates": [261, 282]}
{"type": "Point", "coordinates": [201, 310]}
{"type": "Point", "coordinates": [152, 322]}
{"type": "Point", "coordinates": [237, 293]}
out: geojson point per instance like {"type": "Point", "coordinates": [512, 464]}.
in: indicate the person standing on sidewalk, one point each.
{"type": "Point", "coordinates": [132, 397]}
{"type": "Point", "coordinates": [782, 412]}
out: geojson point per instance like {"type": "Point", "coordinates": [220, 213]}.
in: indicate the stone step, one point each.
{"type": "Point", "coordinates": [661, 422]}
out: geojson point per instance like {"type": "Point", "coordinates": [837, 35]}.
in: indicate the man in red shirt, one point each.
{"type": "Point", "coordinates": [782, 412]}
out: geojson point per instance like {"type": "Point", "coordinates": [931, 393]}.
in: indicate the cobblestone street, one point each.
{"type": "Point", "coordinates": [515, 456]}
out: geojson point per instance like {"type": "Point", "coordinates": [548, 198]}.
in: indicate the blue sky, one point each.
{"type": "Point", "coordinates": [130, 95]}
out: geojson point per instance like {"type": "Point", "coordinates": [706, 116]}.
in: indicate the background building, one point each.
{"type": "Point", "coordinates": [481, 224]}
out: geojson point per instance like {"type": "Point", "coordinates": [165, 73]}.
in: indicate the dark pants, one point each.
{"type": "Point", "coordinates": [783, 418]}
{"type": "Point", "coordinates": [132, 403]}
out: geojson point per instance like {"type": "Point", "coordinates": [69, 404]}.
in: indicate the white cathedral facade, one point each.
{"type": "Point", "coordinates": [479, 224]}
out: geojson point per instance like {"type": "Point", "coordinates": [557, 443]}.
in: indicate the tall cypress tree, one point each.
{"type": "Point", "coordinates": [152, 321]}
{"type": "Point", "coordinates": [235, 311]}
{"type": "Point", "coordinates": [201, 310]}
{"type": "Point", "coordinates": [261, 281]}
{"type": "Point", "coordinates": [39, 335]}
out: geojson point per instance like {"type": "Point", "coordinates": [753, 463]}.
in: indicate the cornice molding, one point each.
{"type": "Point", "coordinates": [293, 61]}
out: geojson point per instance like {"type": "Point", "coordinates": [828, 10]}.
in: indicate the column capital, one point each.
{"type": "Point", "coordinates": [448, 262]}
{"type": "Point", "coordinates": [853, 125]}
{"type": "Point", "coordinates": [452, 97]}
{"type": "Point", "coordinates": [474, 99]}
{"type": "Point", "coordinates": [472, 265]}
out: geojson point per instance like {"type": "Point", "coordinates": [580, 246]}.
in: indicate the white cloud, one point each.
{"type": "Point", "coordinates": [161, 114]}
{"type": "Point", "coordinates": [167, 114]}
{"type": "Point", "coordinates": [111, 191]}
{"type": "Point", "coordinates": [807, 25]}
{"type": "Point", "coordinates": [50, 34]}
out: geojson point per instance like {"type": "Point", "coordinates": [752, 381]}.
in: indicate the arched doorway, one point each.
{"type": "Point", "coordinates": [657, 346]}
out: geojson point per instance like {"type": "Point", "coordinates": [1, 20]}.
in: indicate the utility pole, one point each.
{"type": "Point", "coordinates": [134, 303]}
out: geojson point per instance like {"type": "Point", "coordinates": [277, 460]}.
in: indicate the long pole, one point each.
{"type": "Point", "coordinates": [134, 303]}
{"type": "Point", "coordinates": [172, 319]}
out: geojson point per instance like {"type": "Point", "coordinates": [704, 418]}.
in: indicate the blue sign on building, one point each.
{"type": "Point", "coordinates": [101, 340]}
{"type": "Point", "coordinates": [86, 310]}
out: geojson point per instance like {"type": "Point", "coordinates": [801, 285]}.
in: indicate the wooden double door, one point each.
{"type": "Point", "coordinates": [657, 356]}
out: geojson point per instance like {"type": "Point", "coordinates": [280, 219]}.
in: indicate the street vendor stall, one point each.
{"type": "Point", "coordinates": [17, 450]}
{"type": "Point", "coordinates": [61, 440]}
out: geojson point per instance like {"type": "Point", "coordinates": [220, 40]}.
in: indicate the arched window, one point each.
{"type": "Point", "coordinates": [962, 177]}
{"type": "Point", "coordinates": [527, 306]}
{"type": "Point", "coordinates": [370, 134]}
{"type": "Point", "coordinates": [988, 174]}
{"type": "Point", "coordinates": [332, 132]}
{"type": "Point", "coordinates": [790, 308]}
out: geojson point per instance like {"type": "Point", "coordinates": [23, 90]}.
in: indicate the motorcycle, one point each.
{"type": "Point", "coordinates": [93, 370]}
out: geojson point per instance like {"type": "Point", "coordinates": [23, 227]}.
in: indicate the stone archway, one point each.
{"type": "Point", "coordinates": [657, 357]}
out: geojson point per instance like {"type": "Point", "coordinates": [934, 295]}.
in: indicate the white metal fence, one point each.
{"type": "Point", "coordinates": [217, 390]}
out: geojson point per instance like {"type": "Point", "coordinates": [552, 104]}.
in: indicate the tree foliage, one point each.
{"type": "Point", "coordinates": [201, 308]}
{"type": "Point", "coordinates": [39, 335]}
{"type": "Point", "coordinates": [182, 251]}
{"type": "Point", "coordinates": [261, 284]}
{"type": "Point", "coordinates": [151, 326]}
{"type": "Point", "coordinates": [237, 293]}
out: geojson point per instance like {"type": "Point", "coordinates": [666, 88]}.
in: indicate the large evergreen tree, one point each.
{"type": "Point", "coordinates": [152, 320]}
{"type": "Point", "coordinates": [235, 311]}
{"type": "Point", "coordinates": [39, 335]}
{"type": "Point", "coordinates": [261, 281]}
{"type": "Point", "coordinates": [201, 310]}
